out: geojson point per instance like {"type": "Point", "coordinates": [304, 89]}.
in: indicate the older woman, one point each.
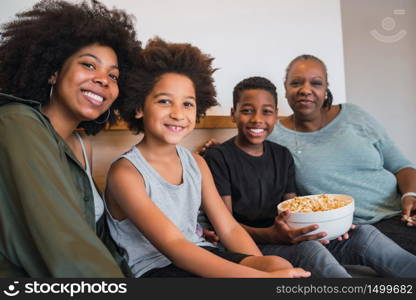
{"type": "Point", "coordinates": [342, 149]}
{"type": "Point", "coordinates": [63, 66]}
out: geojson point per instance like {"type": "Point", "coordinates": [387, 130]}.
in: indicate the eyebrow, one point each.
{"type": "Point", "coordinates": [171, 95]}
{"type": "Point", "coordinates": [251, 105]}
{"type": "Point", "coordinates": [265, 106]}
{"type": "Point", "coordinates": [97, 59]}
{"type": "Point", "coordinates": [297, 77]}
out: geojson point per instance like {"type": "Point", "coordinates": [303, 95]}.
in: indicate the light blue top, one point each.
{"type": "Point", "coordinates": [351, 155]}
{"type": "Point", "coordinates": [180, 203]}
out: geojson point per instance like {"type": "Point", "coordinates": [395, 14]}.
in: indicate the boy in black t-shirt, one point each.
{"type": "Point", "coordinates": [253, 175]}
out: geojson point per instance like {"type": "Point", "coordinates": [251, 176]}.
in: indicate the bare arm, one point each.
{"type": "Point", "coordinates": [406, 180]}
{"type": "Point", "coordinates": [231, 234]}
{"type": "Point", "coordinates": [126, 187]}
{"type": "Point", "coordinates": [260, 235]}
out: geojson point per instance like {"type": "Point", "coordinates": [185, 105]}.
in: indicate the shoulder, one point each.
{"type": "Point", "coordinates": [277, 148]}
{"type": "Point", "coordinates": [23, 121]}
{"type": "Point", "coordinates": [220, 150]}
{"type": "Point", "coordinates": [24, 126]}
{"type": "Point", "coordinates": [199, 159]}
{"type": "Point", "coordinates": [19, 112]}
{"type": "Point", "coordinates": [354, 114]}
{"type": "Point", "coordinates": [354, 109]}
{"type": "Point", "coordinates": [201, 163]}
{"type": "Point", "coordinates": [280, 132]}
{"type": "Point", "coordinates": [122, 170]}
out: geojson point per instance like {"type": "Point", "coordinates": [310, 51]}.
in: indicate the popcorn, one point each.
{"type": "Point", "coordinates": [313, 204]}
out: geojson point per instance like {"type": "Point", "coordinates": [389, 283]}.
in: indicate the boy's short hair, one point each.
{"type": "Point", "coordinates": [253, 83]}
{"type": "Point", "coordinates": [160, 57]}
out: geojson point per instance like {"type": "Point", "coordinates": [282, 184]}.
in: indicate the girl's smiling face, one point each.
{"type": "Point", "coordinates": [169, 111]}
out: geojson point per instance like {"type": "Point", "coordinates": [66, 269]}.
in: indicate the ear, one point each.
{"type": "Point", "coordinates": [139, 114]}
{"type": "Point", "coordinates": [284, 86]}
{"type": "Point", "coordinates": [232, 114]}
{"type": "Point", "coordinates": [53, 78]}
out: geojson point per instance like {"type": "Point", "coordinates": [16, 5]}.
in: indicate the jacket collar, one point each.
{"type": "Point", "coordinates": [36, 105]}
{"type": "Point", "coordinates": [7, 98]}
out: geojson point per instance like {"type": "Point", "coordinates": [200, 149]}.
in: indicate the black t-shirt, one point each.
{"type": "Point", "coordinates": [256, 184]}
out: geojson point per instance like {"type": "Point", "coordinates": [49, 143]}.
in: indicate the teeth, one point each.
{"type": "Point", "coordinates": [259, 130]}
{"type": "Point", "coordinates": [93, 96]}
{"type": "Point", "coordinates": [175, 128]}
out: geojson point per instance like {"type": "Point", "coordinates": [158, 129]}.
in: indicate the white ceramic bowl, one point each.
{"type": "Point", "coordinates": [334, 222]}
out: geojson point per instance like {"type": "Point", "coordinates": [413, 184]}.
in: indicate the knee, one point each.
{"type": "Point", "coordinates": [310, 249]}
{"type": "Point", "coordinates": [365, 232]}
{"type": "Point", "coordinates": [276, 262]}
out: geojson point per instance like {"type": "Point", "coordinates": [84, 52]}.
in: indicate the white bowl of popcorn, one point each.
{"type": "Point", "coordinates": [332, 212]}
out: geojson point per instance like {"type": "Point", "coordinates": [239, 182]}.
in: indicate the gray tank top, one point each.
{"type": "Point", "coordinates": [180, 203]}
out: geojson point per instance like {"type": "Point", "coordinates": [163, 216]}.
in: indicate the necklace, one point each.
{"type": "Point", "coordinates": [298, 146]}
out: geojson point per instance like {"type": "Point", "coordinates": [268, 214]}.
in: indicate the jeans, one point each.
{"type": "Point", "coordinates": [366, 246]}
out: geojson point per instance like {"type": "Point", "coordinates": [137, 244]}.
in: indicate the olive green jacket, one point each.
{"type": "Point", "coordinates": [47, 223]}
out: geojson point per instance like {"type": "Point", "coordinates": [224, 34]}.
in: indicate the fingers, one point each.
{"type": "Point", "coordinates": [306, 229]}
{"type": "Point", "coordinates": [345, 236]}
{"type": "Point", "coordinates": [214, 142]}
{"type": "Point", "coordinates": [210, 236]}
{"type": "Point", "coordinates": [214, 238]}
{"type": "Point", "coordinates": [281, 217]}
{"type": "Point", "coordinates": [210, 143]}
{"type": "Point", "coordinates": [410, 221]}
{"type": "Point", "coordinates": [300, 234]}
{"type": "Point", "coordinates": [300, 273]}
{"type": "Point", "coordinates": [290, 273]}
{"type": "Point", "coordinates": [408, 204]}
{"type": "Point", "coordinates": [207, 144]}
{"type": "Point", "coordinates": [311, 237]}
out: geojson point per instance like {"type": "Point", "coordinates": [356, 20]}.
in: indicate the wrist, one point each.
{"type": "Point", "coordinates": [408, 194]}
{"type": "Point", "coordinates": [271, 236]}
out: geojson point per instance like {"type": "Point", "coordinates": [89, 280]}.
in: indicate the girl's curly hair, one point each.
{"type": "Point", "coordinates": [38, 42]}
{"type": "Point", "coordinates": [160, 57]}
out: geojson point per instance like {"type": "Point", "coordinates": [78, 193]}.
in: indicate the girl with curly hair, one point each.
{"type": "Point", "coordinates": [154, 191]}
{"type": "Point", "coordinates": [63, 66]}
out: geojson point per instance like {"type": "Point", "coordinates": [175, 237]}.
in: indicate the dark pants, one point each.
{"type": "Point", "coordinates": [397, 230]}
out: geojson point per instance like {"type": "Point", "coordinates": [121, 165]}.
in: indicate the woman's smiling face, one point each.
{"type": "Point", "coordinates": [306, 86]}
{"type": "Point", "coordinates": [86, 85]}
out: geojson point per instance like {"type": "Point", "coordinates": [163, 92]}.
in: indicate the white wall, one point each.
{"type": "Point", "coordinates": [246, 37]}
{"type": "Point", "coordinates": [380, 64]}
